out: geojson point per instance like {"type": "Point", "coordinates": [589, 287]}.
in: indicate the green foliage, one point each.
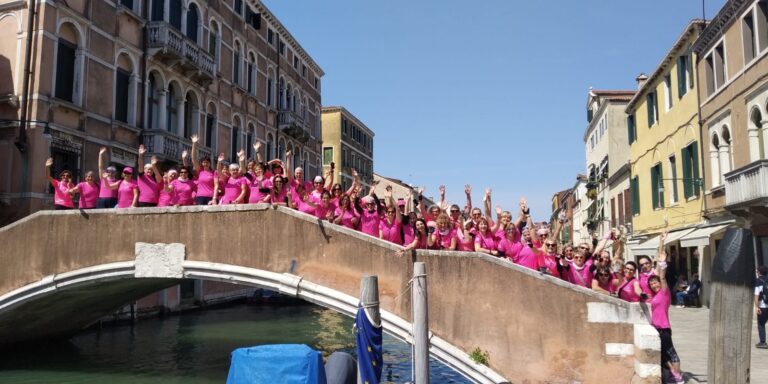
{"type": "Point", "coordinates": [479, 356]}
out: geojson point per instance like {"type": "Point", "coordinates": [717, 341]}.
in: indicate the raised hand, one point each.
{"type": "Point", "coordinates": [498, 210]}
{"type": "Point", "coordinates": [354, 172]}
{"type": "Point", "coordinates": [663, 236]}
{"type": "Point", "coordinates": [221, 157]}
{"type": "Point", "coordinates": [257, 146]}
{"type": "Point", "coordinates": [153, 161]}
{"type": "Point", "coordinates": [662, 256]}
{"type": "Point", "coordinates": [468, 189]}
{"type": "Point", "coordinates": [102, 150]}
{"type": "Point", "coordinates": [288, 154]}
{"type": "Point", "coordinates": [487, 194]}
{"type": "Point", "coordinates": [420, 190]}
{"type": "Point", "coordinates": [183, 154]}
{"type": "Point", "coordinates": [142, 150]}
{"type": "Point", "coordinates": [49, 162]}
{"type": "Point", "coordinates": [241, 155]}
{"type": "Point", "coordinates": [442, 190]}
{"type": "Point", "coordinates": [194, 138]}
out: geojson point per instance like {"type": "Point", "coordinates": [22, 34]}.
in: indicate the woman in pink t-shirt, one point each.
{"type": "Point", "coordinates": [662, 298]}
{"type": "Point", "coordinates": [444, 237]}
{"type": "Point", "coordinates": [389, 227]}
{"type": "Point", "coordinates": [509, 246]}
{"type": "Point", "coordinates": [604, 282]}
{"type": "Point", "coordinates": [644, 272]}
{"type": "Point", "coordinates": [183, 188]}
{"type": "Point", "coordinates": [259, 185]}
{"type": "Point", "coordinates": [549, 259]}
{"type": "Point", "coordinates": [578, 271]}
{"type": "Point", "coordinates": [628, 285]}
{"type": "Point", "coordinates": [370, 217]}
{"type": "Point", "coordinates": [279, 195]}
{"type": "Point", "coordinates": [420, 241]}
{"type": "Point", "coordinates": [166, 192]}
{"type": "Point", "coordinates": [88, 190]}
{"type": "Point", "coordinates": [150, 181]}
{"type": "Point", "coordinates": [303, 203]}
{"type": "Point", "coordinates": [61, 196]}
{"type": "Point", "coordinates": [127, 190]}
{"type": "Point", "coordinates": [485, 240]}
{"type": "Point", "coordinates": [234, 185]}
{"type": "Point", "coordinates": [346, 214]}
{"type": "Point", "coordinates": [205, 175]}
{"type": "Point", "coordinates": [107, 196]}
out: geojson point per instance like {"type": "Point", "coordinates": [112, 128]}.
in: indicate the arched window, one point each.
{"type": "Point", "coordinates": [249, 135]}
{"type": "Point", "coordinates": [191, 115]}
{"type": "Point", "coordinates": [318, 124]}
{"type": "Point", "coordinates": [69, 67]}
{"type": "Point", "coordinates": [158, 10]}
{"type": "Point", "coordinates": [714, 160]}
{"type": "Point", "coordinates": [125, 91]}
{"type": "Point", "coordinates": [725, 150]}
{"type": "Point", "coordinates": [193, 19]}
{"type": "Point", "coordinates": [154, 92]}
{"type": "Point", "coordinates": [756, 136]}
{"type": "Point", "coordinates": [234, 141]}
{"type": "Point", "coordinates": [251, 86]}
{"type": "Point", "coordinates": [270, 88]}
{"type": "Point", "coordinates": [211, 122]}
{"type": "Point", "coordinates": [174, 16]}
{"type": "Point", "coordinates": [213, 42]}
{"type": "Point", "coordinates": [269, 154]}
{"type": "Point", "coordinates": [236, 58]}
{"type": "Point", "coordinates": [295, 101]}
{"type": "Point", "coordinates": [297, 160]}
{"type": "Point", "coordinates": [288, 97]}
{"type": "Point", "coordinates": [304, 108]}
{"type": "Point", "coordinates": [172, 107]}
{"type": "Point", "coordinates": [281, 150]}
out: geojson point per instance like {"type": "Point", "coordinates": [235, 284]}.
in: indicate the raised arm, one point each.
{"type": "Point", "coordinates": [257, 151]}
{"type": "Point", "coordinates": [487, 203]}
{"type": "Point", "coordinates": [241, 159]}
{"type": "Point", "coordinates": [193, 153]}
{"type": "Point", "coordinates": [468, 206]}
{"type": "Point", "coordinates": [155, 170]}
{"type": "Point", "coordinates": [602, 243]}
{"type": "Point", "coordinates": [184, 158]}
{"type": "Point", "coordinates": [220, 163]}
{"type": "Point", "coordinates": [443, 204]}
{"type": "Point", "coordinates": [102, 170]}
{"type": "Point", "coordinates": [329, 179]}
{"type": "Point", "coordinates": [355, 183]}
{"type": "Point", "coordinates": [140, 165]}
{"type": "Point", "coordinates": [48, 164]}
{"type": "Point", "coordinates": [288, 168]}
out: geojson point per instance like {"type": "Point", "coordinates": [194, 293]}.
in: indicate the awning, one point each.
{"type": "Point", "coordinates": [677, 235]}
{"type": "Point", "coordinates": [647, 248]}
{"type": "Point", "coordinates": [700, 237]}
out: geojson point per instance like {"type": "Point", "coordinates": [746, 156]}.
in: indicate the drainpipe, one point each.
{"type": "Point", "coordinates": [21, 140]}
{"type": "Point", "coordinates": [279, 101]}
{"type": "Point", "coordinates": [142, 122]}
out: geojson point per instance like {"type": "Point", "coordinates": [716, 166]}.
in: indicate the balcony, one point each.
{"type": "Point", "coordinates": [746, 189]}
{"type": "Point", "coordinates": [169, 45]}
{"type": "Point", "coordinates": [292, 124]}
{"type": "Point", "coordinates": [168, 146]}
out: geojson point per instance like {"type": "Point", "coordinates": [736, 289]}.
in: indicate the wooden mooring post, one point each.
{"type": "Point", "coordinates": [420, 324]}
{"type": "Point", "coordinates": [730, 313]}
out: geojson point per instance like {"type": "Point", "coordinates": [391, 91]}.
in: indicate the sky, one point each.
{"type": "Point", "coordinates": [490, 93]}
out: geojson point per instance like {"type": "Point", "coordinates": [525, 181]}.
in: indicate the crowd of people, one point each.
{"type": "Point", "coordinates": [407, 222]}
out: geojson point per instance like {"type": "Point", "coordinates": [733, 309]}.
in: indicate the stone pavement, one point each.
{"type": "Point", "coordinates": [691, 337]}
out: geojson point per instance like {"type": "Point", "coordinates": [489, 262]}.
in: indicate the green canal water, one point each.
{"type": "Point", "coordinates": [194, 348]}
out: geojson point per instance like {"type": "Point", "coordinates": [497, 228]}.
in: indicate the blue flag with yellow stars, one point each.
{"type": "Point", "coordinates": [370, 357]}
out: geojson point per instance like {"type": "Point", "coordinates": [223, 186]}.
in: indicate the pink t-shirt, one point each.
{"type": "Point", "coordinates": [347, 217]}
{"type": "Point", "coordinates": [526, 257]}
{"type": "Point", "coordinates": [279, 198]}
{"type": "Point", "coordinates": [487, 240]}
{"type": "Point", "coordinates": [256, 196]}
{"type": "Point", "coordinates": [510, 248]}
{"type": "Point", "coordinates": [660, 309]}
{"type": "Point", "coordinates": [125, 193]}
{"type": "Point", "coordinates": [149, 189]}
{"type": "Point", "coordinates": [183, 191]}
{"type": "Point", "coordinates": [608, 285]}
{"type": "Point", "coordinates": [443, 239]}
{"type": "Point", "coordinates": [294, 184]}
{"type": "Point", "coordinates": [549, 262]}
{"type": "Point", "coordinates": [465, 243]}
{"type": "Point", "coordinates": [61, 194]}
{"type": "Point", "coordinates": [627, 292]}
{"type": "Point", "coordinates": [204, 181]}
{"type": "Point", "coordinates": [409, 233]}
{"type": "Point", "coordinates": [391, 232]}
{"type": "Point", "coordinates": [166, 198]}
{"type": "Point", "coordinates": [579, 276]}
{"type": "Point", "coordinates": [321, 212]}
{"type": "Point", "coordinates": [302, 206]}
{"type": "Point", "coordinates": [643, 278]}
{"type": "Point", "coordinates": [369, 222]}
{"type": "Point", "coordinates": [104, 191]}
{"type": "Point", "coordinates": [232, 188]}
{"type": "Point", "coordinates": [89, 194]}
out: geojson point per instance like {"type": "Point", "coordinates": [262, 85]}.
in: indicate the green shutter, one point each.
{"type": "Point", "coordinates": [681, 73]}
{"type": "Point", "coordinates": [660, 180]}
{"type": "Point", "coordinates": [649, 108]}
{"type": "Point", "coordinates": [654, 187]}
{"type": "Point", "coordinates": [687, 190]}
{"type": "Point", "coordinates": [631, 136]}
{"type": "Point", "coordinates": [634, 185]}
{"type": "Point", "coordinates": [695, 171]}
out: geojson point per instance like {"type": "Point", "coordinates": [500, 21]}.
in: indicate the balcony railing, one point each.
{"type": "Point", "coordinates": [747, 185]}
{"type": "Point", "coordinates": [173, 44]}
{"type": "Point", "coordinates": [293, 125]}
{"type": "Point", "coordinates": [168, 145]}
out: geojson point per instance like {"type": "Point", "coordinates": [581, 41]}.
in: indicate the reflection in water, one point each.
{"type": "Point", "coordinates": [194, 348]}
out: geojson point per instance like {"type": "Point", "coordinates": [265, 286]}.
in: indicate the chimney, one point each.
{"type": "Point", "coordinates": [641, 79]}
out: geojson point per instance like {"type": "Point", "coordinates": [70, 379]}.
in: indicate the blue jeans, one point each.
{"type": "Point", "coordinates": [680, 297]}
{"type": "Point", "coordinates": [761, 320]}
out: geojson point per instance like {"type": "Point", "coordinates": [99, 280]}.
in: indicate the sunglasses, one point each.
{"type": "Point", "coordinates": [455, 211]}
{"type": "Point", "coordinates": [629, 269]}
{"type": "Point", "coordinates": [646, 263]}
{"type": "Point", "coordinates": [390, 211]}
{"type": "Point", "coordinates": [551, 245]}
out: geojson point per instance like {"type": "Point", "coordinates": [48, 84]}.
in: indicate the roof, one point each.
{"type": "Point", "coordinates": [694, 26]}
{"type": "Point", "coordinates": [360, 124]}
{"type": "Point", "coordinates": [727, 14]}
{"type": "Point", "coordinates": [614, 95]}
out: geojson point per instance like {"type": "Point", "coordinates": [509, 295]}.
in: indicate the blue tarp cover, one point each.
{"type": "Point", "coordinates": [276, 364]}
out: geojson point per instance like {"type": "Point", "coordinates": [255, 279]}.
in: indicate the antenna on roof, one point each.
{"type": "Point", "coordinates": [703, 11]}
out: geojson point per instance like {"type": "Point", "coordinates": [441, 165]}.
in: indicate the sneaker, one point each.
{"type": "Point", "coordinates": [761, 345]}
{"type": "Point", "coordinates": [678, 377]}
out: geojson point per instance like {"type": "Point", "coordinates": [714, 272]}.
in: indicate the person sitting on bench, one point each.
{"type": "Point", "coordinates": [691, 293]}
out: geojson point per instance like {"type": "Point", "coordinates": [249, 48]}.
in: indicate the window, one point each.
{"type": "Point", "coordinates": [128, 4]}
{"type": "Point", "coordinates": [270, 36]}
{"type": "Point", "coordinates": [174, 17]}
{"type": "Point", "coordinates": [762, 24]}
{"type": "Point", "coordinates": [239, 7]}
{"type": "Point", "coordinates": [690, 156]}
{"type": "Point", "coordinates": [682, 76]}
{"type": "Point", "coordinates": [170, 110]}
{"type": "Point", "coordinates": [251, 86]}
{"type": "Point", "coordinates": [295, 62]}
{"type": "Point", "coordinates": [122, 85]}
{"type": "Point", "coordinates": [65, 70]}
{"type": "Point", "coordinates": [157, 10]}
{"type": "Point", "coordinates": [631, 132]}
{"type": "Point", "coordinates": [668, 91]}
{"type": "Point", "coordinates": [282, 46]}
{"type": "Point", "coordinates": [213, 40]}
{"type": "Point", "coordinates": [673, 173]}
{"type": "Point", "coordinates": [210, 126]}
{"type": "Point", "coordinates": [327, 155]}
{"type": "Point", "coordinates": [657, 187]}
{"type": "Point", "coordinates": [236, 64]}
{"type": "Point", "coordinates": [653, 112]}
{"type": "Point", "coordinates": [317, 83]}
{"type": "Point", "coordinates": [303, 70]}
{"type": "Point", "coordinates": [154, 101]}
{"type": "Point", "coordinates": [192, 21]}
{"type": "Point", "coordinates": [634, 186]}
{"type": "Point", "coordinates": [270, 90]}
{"type": "Point", "coordinates": [709, 73]}
{"type": "Point", "coordinates": [719, 66]}
{"type": "Point", "coordinates": [235, 140]}
{"type": "Point", "coordinates": [344, 126]}
{"type": "Point", "coordinates": [749, 37]}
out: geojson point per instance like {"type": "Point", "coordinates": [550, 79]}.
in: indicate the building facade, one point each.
{"type": "Point", "coordinates": [605, 141]}
{"type": "Point", "coordinates": [665, 154]}
{"type": "Point", "coordinates": [129, 72]}
{"type": "Point", "coordinates": [732, 64]}
{"type": "Point", "coordinates": [349, 144]}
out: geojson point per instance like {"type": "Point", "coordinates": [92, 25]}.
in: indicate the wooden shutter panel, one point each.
{"type": "Point", "coordinates": [627, 206]}
{"type": "Point", "coordinates": [687, 190]}
{"type": "Point", "coordinates": [681, 74]}
{"type": "Point", "coordinates": [635, 186]}
{"type": "Point", "coordinates": [631, 136]}
{"type": "Point", "coordinates": [695, 169]}
{"type": "Point", "coordinates": [660, 178]}
{"type": "Point", "coordinates": [654, 187]}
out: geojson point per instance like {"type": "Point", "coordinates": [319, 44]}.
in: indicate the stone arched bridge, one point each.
{"type": "Point", "coordinates": [63, 270]}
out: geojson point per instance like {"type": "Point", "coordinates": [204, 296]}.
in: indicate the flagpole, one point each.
{"type": "Point", "coordinates": [420, 324]}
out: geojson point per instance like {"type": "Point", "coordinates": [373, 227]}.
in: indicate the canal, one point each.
{"type": "Point", "coordinates": [194, 348]}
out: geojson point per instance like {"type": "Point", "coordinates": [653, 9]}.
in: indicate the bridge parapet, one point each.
{"type": "Point", "coordinates": [535, 328]}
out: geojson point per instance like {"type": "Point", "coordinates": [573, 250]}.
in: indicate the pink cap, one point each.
{"type": "Point", "coordinates": [128, 170]}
